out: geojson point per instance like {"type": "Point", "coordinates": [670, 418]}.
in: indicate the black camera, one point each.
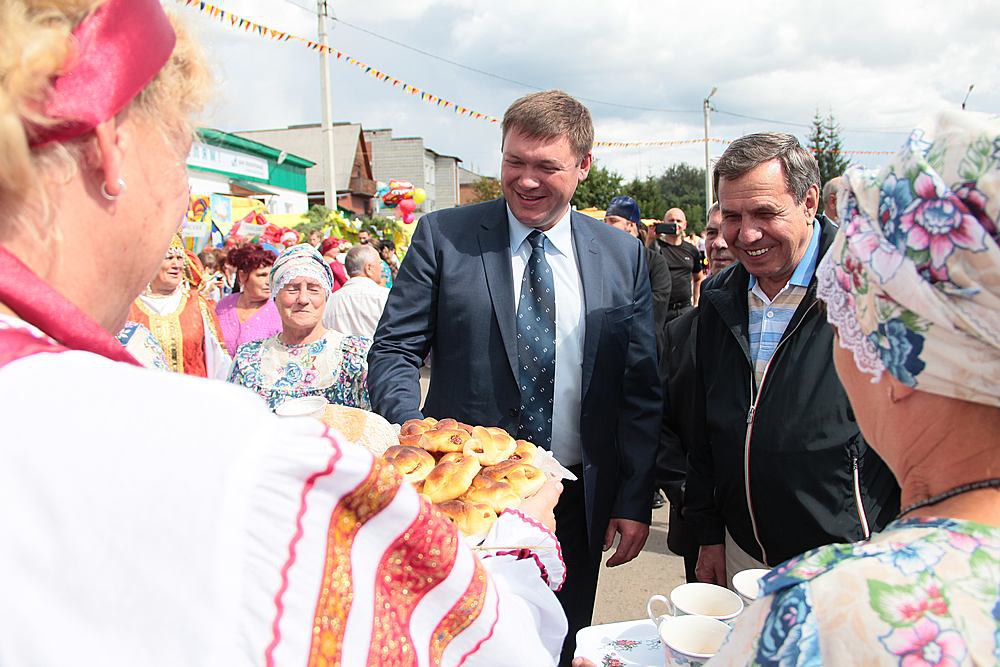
{"type": "Point", "coordinates": [666, 228]}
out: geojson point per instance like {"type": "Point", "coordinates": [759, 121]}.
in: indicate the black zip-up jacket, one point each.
{"type": "Point", "coordinates": [794, 473]}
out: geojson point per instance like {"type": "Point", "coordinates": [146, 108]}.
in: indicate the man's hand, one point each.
{"type": "Point", "coordinates": [541, 506]}
{"type": "Point", "coordinates": [633, 537]}
{"type": "Point", "coordinates": [711, 567]}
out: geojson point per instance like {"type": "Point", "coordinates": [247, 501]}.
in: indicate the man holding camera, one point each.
{"type": "Point", "coordinates": [683, 259]}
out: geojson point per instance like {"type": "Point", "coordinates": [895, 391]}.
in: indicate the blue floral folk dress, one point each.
{"type": "Point", "coordinates": [922, 593]}
{"type": "Point", "coordinates": [334, 367]}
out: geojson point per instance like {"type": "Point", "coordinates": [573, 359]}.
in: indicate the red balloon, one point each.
{"type": "Point", "coordinates": [408, 218]}
{"type": "Point", "coordinates": [407, 206]}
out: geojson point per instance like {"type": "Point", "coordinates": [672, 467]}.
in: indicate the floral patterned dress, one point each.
{"type": "Point", "coordinates": [334, 367]}
{"type": "Point", "coordinates": [924, 592]}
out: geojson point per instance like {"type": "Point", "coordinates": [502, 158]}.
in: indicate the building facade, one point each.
{"type": "Point", "coordinates": [352, 162]}
{"type": "Point", "coordinates": [224, 163]}
{"type": "Point", "coordinates": [408, 159]}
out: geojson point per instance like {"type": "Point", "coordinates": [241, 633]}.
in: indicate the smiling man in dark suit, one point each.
{"type": "Point", "coordinates": [540, 321]}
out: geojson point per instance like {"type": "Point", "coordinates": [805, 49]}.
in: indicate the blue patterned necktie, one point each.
{"type": "Point", "coordinates": [536, 346]}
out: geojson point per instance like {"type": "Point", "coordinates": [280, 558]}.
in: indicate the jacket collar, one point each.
{"type": "Point", "coordinates": [727, 292]}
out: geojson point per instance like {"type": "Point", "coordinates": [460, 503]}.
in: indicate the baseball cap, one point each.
{"type": "Point", "coordinates": [624, 207]}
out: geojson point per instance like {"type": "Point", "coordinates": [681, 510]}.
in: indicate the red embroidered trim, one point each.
{"type": "Point", "coordinates": [336, 594]}
{"type": "Point", "coordinates": [524, 554]}
{"type": "Point", "coordinates": [536, 524]}
{"type": "Point", "coordinates": [420, 559]}
{"type": "Point", "coordinates": [479, 644]}
{"type": "Point", "coordinates": [461, 615]}
{"type": "Point", "coordinates": [306, 488]}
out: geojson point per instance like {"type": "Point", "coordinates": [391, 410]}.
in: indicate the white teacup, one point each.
{"type": "Point", "coordinates": [747, 583]}
{"type": "Point", "coordinates": [690, 640]}
{"type": "Point", "coordinates": [698, 599]}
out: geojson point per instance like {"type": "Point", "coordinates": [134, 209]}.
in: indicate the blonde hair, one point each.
{"type": "Point", "coordinates": [36, 44]}
{"type": "Point", "coordinates": [550, 114]}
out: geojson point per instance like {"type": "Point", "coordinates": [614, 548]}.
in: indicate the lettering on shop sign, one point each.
{"type": "Point", "coordinates": [221, 159]}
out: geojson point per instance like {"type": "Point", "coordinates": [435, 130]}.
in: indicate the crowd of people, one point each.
{"type": "Point", "coordinates": [813, 391]}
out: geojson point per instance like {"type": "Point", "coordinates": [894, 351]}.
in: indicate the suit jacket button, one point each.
{"type": "Point", "coordinates": [512, 412]}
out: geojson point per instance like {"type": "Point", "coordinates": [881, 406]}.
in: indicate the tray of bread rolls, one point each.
{"type": "Point", "coordinates": [471, 473]}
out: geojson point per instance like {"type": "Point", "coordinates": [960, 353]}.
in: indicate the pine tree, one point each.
{"type": "Point", "coordinates": [824, 141]}
{"type": "Point", "coordinates": [835, 162]}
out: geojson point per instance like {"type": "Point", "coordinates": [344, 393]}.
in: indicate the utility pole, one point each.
{"type": "Point", "coordinates": [708, 167]}
{"type": "Point", "coordinates": [330, 184]}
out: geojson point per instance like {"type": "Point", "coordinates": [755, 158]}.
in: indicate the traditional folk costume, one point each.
{"type": "Point", "coordinates": [282, 546]}
{"type": "Point", "coordinates": [335, 366]}
{"type": "Point", "coordinates": [250, 540]}
{"type": "Point", "coordinates": [186, 327]}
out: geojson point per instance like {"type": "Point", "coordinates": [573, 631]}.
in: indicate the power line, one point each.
{"type": "Point", "coordinates": [809, 125]}
{"type": "Point", "coordinates": [531, 86]}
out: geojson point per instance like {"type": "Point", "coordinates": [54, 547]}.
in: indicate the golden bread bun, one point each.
{"type": "Point", "coordinates": [525, 452]}
{"type": "Point", "coordinates": [470, 518]}
{"type": "Point", "coordinates": [417, 426]}
{"type": "Point", "coordinates": [525, 479]}
{"type": "Point", "coordinates": [490, 446]}
{"type": "Point", "coordinates": [413, 463]}
{"type": "Point", "coordinates": [496, 493]}
{"type": "Point", "coordinates": [444, 440]}
{"type": "Point", "coordinates": [450, 480]}
{"type": "Point", "coordinates": [455, 457]}
{"type": "Point", "coordinates": [359, 427]}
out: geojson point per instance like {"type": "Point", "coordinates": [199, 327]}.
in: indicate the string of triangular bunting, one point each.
{"type": "Point", "coordinates": [241, 23]}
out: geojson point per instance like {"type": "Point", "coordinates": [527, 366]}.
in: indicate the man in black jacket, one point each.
{"type": "Point", "coordinates": [778, 465]}
{"type": "Point", "coordinates": [677, 368]}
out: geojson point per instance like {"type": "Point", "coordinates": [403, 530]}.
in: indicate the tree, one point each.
{"type": "Point", "coordinates": [601, 186]}
{"type": "Point", "coordinates": [683, 186]}
{"type": "Point", "coordinates": [646, 193]}
{"type": "Point", "coordinates": [485, 189]}
{"type": "Point", "coordinates": [825, 143]}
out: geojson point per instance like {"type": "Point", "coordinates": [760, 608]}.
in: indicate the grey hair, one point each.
{"type": "Point", "coordinates": [714, 209]}
{"type": "Point", "coordinates": [798, 164]}
{"type": "Point", "coordinates": [832, 187]}
{"type": "Point", "coordinates": [358, 258]}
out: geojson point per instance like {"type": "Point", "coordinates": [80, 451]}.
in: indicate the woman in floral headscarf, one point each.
{"type": "Point", "coordinates": [912, 287]}
{"type": "Point", "coordinates": [305, 358]}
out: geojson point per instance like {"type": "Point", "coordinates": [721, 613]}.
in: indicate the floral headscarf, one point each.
{"type": "Point", "coordinates": [912, 281]}
{"type": "Point", "coordinates": [298, 261]}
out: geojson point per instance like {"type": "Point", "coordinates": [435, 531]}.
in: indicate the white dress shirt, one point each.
{"type": "Point", "coordinates": [570, 328]}
{"type": "Point", "coordinates": [356, 307]}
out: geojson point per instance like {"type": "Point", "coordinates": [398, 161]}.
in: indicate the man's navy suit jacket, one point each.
{"type": "Point", "coordinates": [454, 295]}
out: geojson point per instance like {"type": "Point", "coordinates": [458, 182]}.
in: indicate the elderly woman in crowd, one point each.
{"type": "Point", "coordinates": [158, 519]}
{"type": "Point", "coordinates": [182, 319]}
{"type": "Point", "coordinates": [305, 358]}
{"type": "Point", "coordinates": [249, 314]}
{"type": "Point", "coordinates": [912, 287]}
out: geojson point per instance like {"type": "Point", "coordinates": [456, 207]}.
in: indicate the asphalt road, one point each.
{"type": "Point", "coordinates": [622, 591]}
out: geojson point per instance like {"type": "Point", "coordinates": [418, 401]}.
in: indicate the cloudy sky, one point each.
{"type": "Point", "coordinates": [879, 66]}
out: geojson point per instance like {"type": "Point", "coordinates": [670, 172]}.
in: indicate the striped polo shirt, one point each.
{"type": "Point", "coordinates": [770, 317]}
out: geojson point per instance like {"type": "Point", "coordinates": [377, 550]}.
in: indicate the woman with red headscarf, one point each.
{"type": "Point", "coordinates": [249, 314]}
{"type": "Point", "coordinates": [160, 519]}
{"type": "Point", "coordinates": [330, 248]}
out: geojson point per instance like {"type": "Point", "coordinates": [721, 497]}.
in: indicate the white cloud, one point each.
{"type": "Point", "coordinates": [884, 64]}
